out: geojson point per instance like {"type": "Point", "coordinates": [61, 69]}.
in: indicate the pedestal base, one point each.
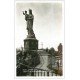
{"type": "Point", "coordinates": [30, 44]}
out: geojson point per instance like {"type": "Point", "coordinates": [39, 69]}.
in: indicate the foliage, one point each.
{"type": "Point", "coordinates": [25, 61]}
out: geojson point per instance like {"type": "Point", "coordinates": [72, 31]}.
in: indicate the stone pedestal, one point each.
{"type": "Point", "coordinates": [30, 44]}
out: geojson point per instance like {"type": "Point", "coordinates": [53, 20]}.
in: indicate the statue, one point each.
{"type": "Point", "coordinates": [29, 19]}
{"type": "Point", "coordinates": [30, 43]}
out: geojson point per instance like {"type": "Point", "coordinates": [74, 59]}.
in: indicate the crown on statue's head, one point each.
{"type": "Point", "coordinates": [30, 11]}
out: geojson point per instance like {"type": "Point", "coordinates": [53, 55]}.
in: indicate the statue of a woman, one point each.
{"type": "Point", "coordinates": [29, 18]}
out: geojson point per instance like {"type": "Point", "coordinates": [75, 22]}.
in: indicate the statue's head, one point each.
{"type": "Point", "coordinates": [30, 11]}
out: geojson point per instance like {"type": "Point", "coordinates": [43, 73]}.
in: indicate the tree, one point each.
{"type": "Point", "coordinates": [60, 48]}
{"type": "Point", "coordinates": [52, 51]}
{"type": "Point", "coordinates": [47, 49]}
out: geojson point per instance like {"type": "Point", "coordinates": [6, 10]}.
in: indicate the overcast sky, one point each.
{"type": "Point", "coordinates": [47, 24]}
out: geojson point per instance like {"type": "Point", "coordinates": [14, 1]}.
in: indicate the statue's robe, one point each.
{"type": "Point", "coordinates": [30, 19]}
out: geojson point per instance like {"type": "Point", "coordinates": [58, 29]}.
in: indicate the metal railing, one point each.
{"type": "Point", "coordinates": [38, 72]}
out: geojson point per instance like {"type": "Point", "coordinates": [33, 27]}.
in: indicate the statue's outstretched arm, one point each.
{"type": "Point", "coordinates": [23, 13]}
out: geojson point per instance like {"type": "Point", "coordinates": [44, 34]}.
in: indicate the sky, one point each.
{"type": "Point", "coordinates": [47, 25]}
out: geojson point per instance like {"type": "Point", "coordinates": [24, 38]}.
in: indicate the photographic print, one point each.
{"type": "Point", "coordinates": [39, 38]}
